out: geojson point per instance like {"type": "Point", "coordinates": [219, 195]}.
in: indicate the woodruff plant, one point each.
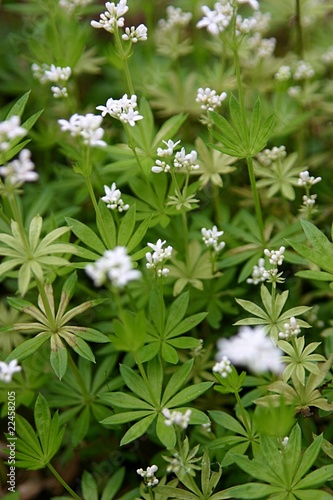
{"type": "Point", "coordinates": [166, 259]}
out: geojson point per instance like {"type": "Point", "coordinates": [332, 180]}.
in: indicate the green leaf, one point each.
{"type": "Point", "coordinates": [257, 468]}
{"type": "Point", "coordinates": [124, 417]}
{"type": "Point", "coordinates": [169, 354]}
{"type": "Point", "coordinates": [89, 486]}
{"type": "Point", "coordinates": [186, 325]}
{"type": "Point", "coordinates": [188, 394]}
{"type": "Point", "coordinates": [135, 383]}
{"type": "Point", "coordinates": [81, 427]}
{"type": "Point", "coordinates": [28, 347]}
{"type": "Point", "coordinates": [106, 226]}
{"type": "Point", "coordinates": [168, 129]}
{"type": "Point", "coordinates": [155, 376]}
{"type": "Point", "coordinates": [315, 275]}
{"type": "Point", "coordinates": [19, 106]}
{"type": "Point", "coordinates": [126, 227]}
{"type": "Point", "coordinates": [308, 458]}
{"type": "Point", "coordinates": [113, 484]}
{"type": "Point", "coordinates": [83, 349]}
{"type": "Point", "coordinates": [86, 235]}
{"type": "Point", "coordinates": [253, 490]}
{"type": "Point", "coordinates": [236, 118]}
{"type": "Point", "coordinates": [316, 478]}
{"type": "Point", "coordinates": [177, 311]}
{"type": "Point", "coordinates": [138, 235]}
{"type": "Point", "coordinates": [58, 360]}
{"type": "Point", "coordinates": [177, 380]}
{"type": "Point", "coordinates": [166, 434]}
{"type": "Point", "coordinates": [122, 400]}
{"type": "Point", "coordinates": [227, 421]}
{"type": "Point", "coordinates": [42, 418]}
{"type": "Point", "coordinates": [137, 429]}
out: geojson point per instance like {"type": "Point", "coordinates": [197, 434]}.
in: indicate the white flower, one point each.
{"type": "Point", "coordinates": [216, 20]}
{"type": "Point", "coordinates": [175, 17]}
{"type": "Point", "coordinates": [170, 146]}
{"type": "Point", "coordinates": [59, 92]}
{"type": "Point", "coordinates": [160, 166]}
{"type": "Point", "coordinates": [10, 129]}
{"type": "Point", "coordinates": [71, 5]}
{"type": "Point", "coordinates": [210, 238]}
{"type": "Point", "coordinates": [157, 258]}
{"type": "Point", "coordinates": [7, 370]}
{"type": "Point", "coordinates": [123, 109]}
{"type": "Point", "coordinates": [20, 170]}
{"type": "Point", "coordinates": [283, 73]}
{"type": "Point", "coordinates": [276, 257]}
{"type": "Point", "coordinates": [309, 201]}
{"type": "Point", "coordinates": [85, 126]}
{"type": "Point", "coordinates": [149, 475]}
{"type": "Point", "coordinates": [268, 156]}
{"type": "Point", "coordinates": [263, 47]}
{"type": "Point", "coordinates": [303, 71]}
{"type": "Point", "coordinates": [134, 34]}
{"type": "Point", "coordinates": [259, 273]}
{"type": "Point", "coordinates": [112, 17]}
{"type": "Point", "coordinates": [209, 99]}
{"type": "Point", "coordinates": [252, 349]}
{"type": "Point", "coordinates": [306, 180]}
{"type": "Point", "coordinates": [188, 161]}
{"type": "Point", "coordinates": [223, 367]}
{"type": "Point", "coordinates": [114, 265]}
{"type": "Point", "coordinates": [113, 198]}
{"type": "Point", "coordinates": [294, 91]}
{"type": "Point", "coordinates": [245, 26]}
{"type": "Point", "coordinates": [177, 418]}
{"type": "Point", "coordinates": [292, 329]}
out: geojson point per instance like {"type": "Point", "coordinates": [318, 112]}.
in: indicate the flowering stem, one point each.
{"type": "Point", "coordinates": [256, 198]}
{"type": "Point", "coordinates": [123, 56]}
{"type": "Point", "coordinates": [63, 482]}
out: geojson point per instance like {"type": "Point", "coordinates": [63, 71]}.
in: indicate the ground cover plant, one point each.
{"type": "Point", "coordinates": [166, 249]}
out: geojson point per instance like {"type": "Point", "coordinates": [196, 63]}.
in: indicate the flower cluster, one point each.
{"type": "Point", "coordinates": [177, 418]}
{"type": "Point", "coordinates": [327, 57]}
{"type": "Point", "coordinates": [122, 109]}
{"type": "Point", "coordinates": [306, 180]}
{"type": "Point", "coordinates": [7, 370]}
{"type": "Point", "coordinates": [85, 126]}
{"type": "Point", "coordinates": [211, 236]}
{"type": "Point", "coordinates": [209, 98]}
{"type": "Point", "coordinates": [53, 74]}
{"type": "Point", "coordinates": [149, 475]}
{"type": "Point", "coordinates": [20, 170]}
{"type": "Point", "coordinates": [9, 130]}
{"type": "Point", "coordinates": [134, 34]}
{"type": "Point", "coordinates": [218, 19]}
{"type": "Point", "coordinates": [113, 198]}
{"type": "Point", "coordinates": [157, 258]}
{"type": "Point", "coordinates": [292, 329]}
{"type": "Point", "coordinates": [223, 367]}
{"type": "Point", "coordinates": [113, 19]}
{"type": "Point", "coordinates": [175, 17]}
{"type": "Point", "coordinates": [303, 71]}
{"type": "Point", "coordinates": [182, 160]}
{"type": "Point", "coordinates": [263, 47]}
{"type": "Point", "coordinates": [275, 257]}
{"type": "Point", "coordinates": [114, 265]}
{"type": "Point", "coordinates": [269, 156]}
{"type": "Point", "coordinates": [70, 5]}
{"type": "Point", "coordinates": [283, 73]}
{"type": "Point", "coordinates": [259, 273]}
{"type": "Point", "coordinates": [252, 349]}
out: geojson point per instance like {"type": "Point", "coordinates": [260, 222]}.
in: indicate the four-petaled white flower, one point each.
{"type": "Point", "coordinates": [85, 126]}
{"type": "Point", "coordinates": [123, 109]}
{"type": "Point", "coordinates": [306, 180]}
{"type": "Point", "coordinates": [112, 17]}
{"type": "Point", "coordinates": [216, 20]}
{"type": "Point", "coordinates": [10, 129]}
{"type": "Point", "coordinates": [116, 266]}
{"type": "Point", "coordinates": [134, 34]}
{"type": "Point", "coordinates": [20, 170]}
{"type": "Point", "coordinates": [187, 161]}
{"type": "Point", "coordinates": [209, 98]}
{"type": "Point", "coordinates": [168, 151]}
{"type": "Point", "coordinates": [252, 349]}
{"type": "Point", "coordinates": [211, 236]}
{"type": "Point", "coordinates": [157, 258]}
{"type": "Point", "coordinates": [149, 475]}
{"type": "Point", "coordinates": [113, 198]}
{"type": "Point", "coordinates": [7, 370]}
{"type": "Point", "coordinates": [177, 418]}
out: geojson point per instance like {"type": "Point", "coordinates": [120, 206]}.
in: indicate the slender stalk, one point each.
{"type": "Point", "coordinates": [124, 57]}
{"type": "Point", "coordinates": [63, 482]}
{"type": "Point", "coordinates": [256, 198]}
{"type": "Point", "coordinates": [299, 30]}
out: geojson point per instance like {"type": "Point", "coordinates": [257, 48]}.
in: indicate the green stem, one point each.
{"type": "Point", "coordinates": [256, 199]}
{"type": "Point", "coordinates": [299, 31]}
{"type": "Point", "coordinates": [244, 417]}
{"type": "Point", "coordinates": [124, 57]}
{"type": "Point", "coordinates": [63, 482]}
